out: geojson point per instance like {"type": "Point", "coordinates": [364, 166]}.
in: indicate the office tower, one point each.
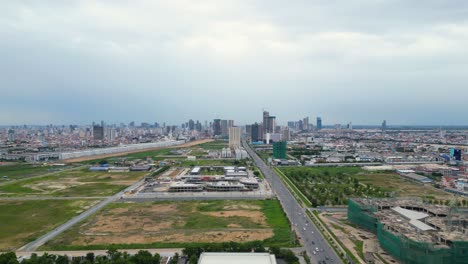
{"type": "Point", "coordinates": [254, 132]}
{"type": "Point", "coordinates": [191, 124]}
{"type": "Point", "coordinates": [98, 132]}
{"type": "Point", "coordinates": [305, 124]}
{"type": "Point", "coordinates": [384, 125]}
{"type": "Point", "coordinates": [266, 114]}
{"type": "Point", "coordinates": [248, 130]}
{"type": "Point", "coordinates": [11, 135]}
{"type": "Point", "coordinates": [300, 125]}
{"type": "Point", "coordinates": [217, 127]}
{"type": "Point", "coordinates": [261, 136]}
{"type": "Point", "coordinates": [279, 150]}
{"type": "Point", "coordinates": [291, 124]}
{"type": "Point", "coordinates": [350, 126]}
{"type": "Point", "coordinates": [319, 123]}
{"type": "Point", "coordinates": [224, 128]}
{"type": "Point", "coordinates": [286, 135]}
{"type": "Point", "coordinates": [230, 123]}
{"type": "Point", "coordinates": [269, 123]}
{"type": "Point", "coordinates": [198, 126]}
{"type": "Point", "coordinates": [234, 137]}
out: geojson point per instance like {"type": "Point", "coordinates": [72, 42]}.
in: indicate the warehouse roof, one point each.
{"type": "Point", "coordinates": [237, 258]}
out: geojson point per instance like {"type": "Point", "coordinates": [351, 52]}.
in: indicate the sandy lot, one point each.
{"type": "Point", "coordinates": [170, 222]}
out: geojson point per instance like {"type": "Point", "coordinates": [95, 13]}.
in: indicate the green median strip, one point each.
{"type": "Point", "coordinates": [293, 187]}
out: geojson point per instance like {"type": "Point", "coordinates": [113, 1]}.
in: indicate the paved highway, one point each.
{"type": "Point", "coordinates": [32, 246]}
{"type": "Point", "coordinates": [314, 243]}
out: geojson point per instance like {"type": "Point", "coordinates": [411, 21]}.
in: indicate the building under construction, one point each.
{"type": "Point", "coordinates": [412, 231]}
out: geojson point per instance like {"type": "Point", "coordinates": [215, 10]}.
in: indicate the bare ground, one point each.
{"type": "Point", "coordinates": [158, 222]}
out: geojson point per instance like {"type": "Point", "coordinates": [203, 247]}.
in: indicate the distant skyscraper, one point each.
{"type": "Point", "coordinates": [11, 135]}
{"type": "Point", "coordinates": [255, 129]}
{"type": "Point", "coordinates": [98, 132]}
{"type": "Point", "coordinates": [305, 124]}
{"type": "Point", "coordinates": [384, 125]}
{"type": "Point", "coordinates": [266, 114]}
{"type": "Point", "coordinates": [286, 135]}
{"type": "Point", "coordinates": [248, 129]}
{"type": "Point", "coordinates": [217, 127]}
{"type": "Point", "coordinates": [224, 128]}
{"type": "Point", "coordinates": [291, 124]}
{"type": "Point", "coordinates": [319, 123]}
{"type": "Point", "coordinates": [191, 124]}
{"type": "Point", "coordinates": [234, 137]}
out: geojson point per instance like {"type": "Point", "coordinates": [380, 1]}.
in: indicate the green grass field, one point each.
{"type": "Point", "coordinates": [177, 224]}
{"type": "Point", "coordinates": [78, 182]}
{"type": "Point", "coordinates": [214, 145]}
{"type": "Point", "coordinates": [23, 170]}
{"type": "Point", "coordinates": [24, 221]}
{"type": "Point", "coordinates": [333, 185]}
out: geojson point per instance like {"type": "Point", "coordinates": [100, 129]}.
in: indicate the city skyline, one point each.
{"type": "Point", "coordinates": [360, 61]}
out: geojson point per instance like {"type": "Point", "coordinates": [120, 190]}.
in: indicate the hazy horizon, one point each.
{"type": "Point", "coordinates": [358, 61]}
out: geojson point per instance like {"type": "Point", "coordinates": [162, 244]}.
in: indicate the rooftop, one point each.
{"type": "Point", "coordinates": [237, 258]}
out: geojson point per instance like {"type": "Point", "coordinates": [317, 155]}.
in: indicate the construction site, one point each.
{"type": "Point", "coordinates": [203, 182]}
{"type": "Point", "coordinates": [412, 231]}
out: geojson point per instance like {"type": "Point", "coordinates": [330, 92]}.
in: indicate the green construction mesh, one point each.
{"type": "Point", "coordinates": [362, 216]}
{"type": "Point", "coordinates": [404, 249]}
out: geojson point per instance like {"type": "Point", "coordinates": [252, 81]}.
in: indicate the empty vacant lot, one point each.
{"type": "Point", "coordinates": [23, 221]}
{"type": "Point", "coordinates": [166, 224]}
{"type": "Point", "coordinates": [78, 182]}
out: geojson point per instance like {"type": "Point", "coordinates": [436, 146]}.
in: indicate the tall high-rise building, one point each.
{"type": "Point", "coordinates": [11, 135]}
{"type": "Point", "coordinates": [248, 130]}
{"type": "Point", "coordinates": [234, 137]}
{"type": "Point", "coordinates": [217, 127]}
{"type": "Point", "coordinates": [292, 124]}
{"type": "Point", "coordinates": [266, 114]}
{"type": "Point", "coordinates": [269, 123]}
{"type": "Point", "coordinates": [98, 132]}
{"type": "Point", "coordinates": [191, 124]}
{"type": "Point", "coordinates": [384, 125]}
{"type": "Point", "coordinates": [224, 128]}
{"type": "Point", "coordinates": [319, 123]}
{"type": "Point", "coordinates": [305, 123]}
{"type": "Point", "coordinates": [286, 135]}
{"type": "Point", "coordinates": [254, 132]}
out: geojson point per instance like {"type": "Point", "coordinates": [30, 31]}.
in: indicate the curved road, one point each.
{"type": "Point", "coordinates": [311, 238]}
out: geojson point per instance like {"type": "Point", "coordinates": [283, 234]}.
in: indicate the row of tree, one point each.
{"type": "Point", "coordinates": [114, 256]}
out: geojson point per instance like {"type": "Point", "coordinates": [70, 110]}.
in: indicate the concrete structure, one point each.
{"type": "Point", "coordinates": [234, 137]}
{"type": "Point", "coordinates": [236, 258]}
{"type": "Point", "coordinates": [269, 123]}
{"type": "Point", "coordinates": [319, 123]}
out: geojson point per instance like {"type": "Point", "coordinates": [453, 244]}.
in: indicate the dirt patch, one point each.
{"type": "Point", "coordinates": [213, 236]}
{"type": "Point", "coordinates": [242, 207]}
{"type": "Point", "coordinates": [255, 216]}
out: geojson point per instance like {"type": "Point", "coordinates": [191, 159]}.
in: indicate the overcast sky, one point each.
{"type": "Point", "coordinates": [168, 61]}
